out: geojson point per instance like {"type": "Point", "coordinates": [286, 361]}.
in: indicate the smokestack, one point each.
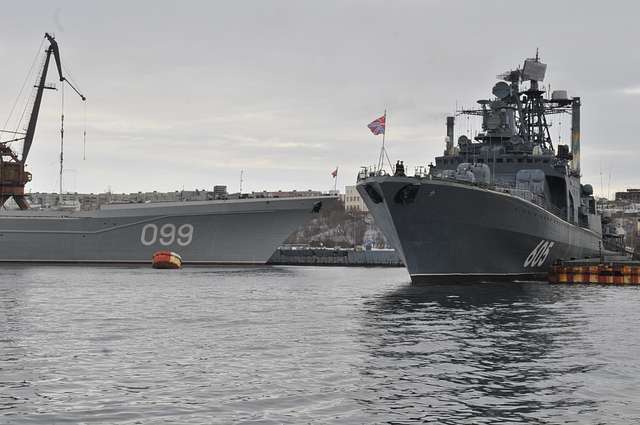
{"type": "Point", "coordinates": [450, 123]}
{"type": "Point", "coordinates": [575, 133]}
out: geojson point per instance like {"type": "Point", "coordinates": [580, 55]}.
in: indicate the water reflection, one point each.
{"type": "Point", "coordinates": [14, 390]}
{"type": "Point", "coordinates": [488, 353]}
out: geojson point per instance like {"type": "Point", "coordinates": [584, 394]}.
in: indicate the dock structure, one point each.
{"type": "Point", "coordinates": [335, 257]}
{"type": "Point", "coordinates": [599, 271]}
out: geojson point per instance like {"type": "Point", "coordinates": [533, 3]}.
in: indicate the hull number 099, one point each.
{"type": "Point", "coordinates": [539, 254]}
{"type": "Point", "coordinates": [167, 234]}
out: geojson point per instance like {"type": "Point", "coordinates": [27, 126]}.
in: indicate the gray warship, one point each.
{"type": "Point", "coordinates": [235, 231]}
{"type": "Point", "coordinates": [503, 205]}
{"type": "Point", "coordinates": [202, 232]}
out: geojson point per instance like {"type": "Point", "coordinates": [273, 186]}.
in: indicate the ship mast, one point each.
{"type": "Point", "coordinates": [516, 117]}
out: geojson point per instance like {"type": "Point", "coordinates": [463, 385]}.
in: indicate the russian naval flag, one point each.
{"type": "Point", "coordinates": [377, 126]}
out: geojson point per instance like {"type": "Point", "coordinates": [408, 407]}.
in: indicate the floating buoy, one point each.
{"type": "Point", "coordinates": [166, 260]}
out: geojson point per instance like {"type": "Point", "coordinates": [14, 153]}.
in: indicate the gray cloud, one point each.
{"type": "Point", "coordinates": [188, 94]}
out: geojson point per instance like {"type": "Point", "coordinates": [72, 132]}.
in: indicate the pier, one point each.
{"type": "Point", "coordinates": [310, 256]}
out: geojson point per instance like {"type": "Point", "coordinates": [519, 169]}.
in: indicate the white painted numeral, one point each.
{"type": "Point", "coordinates": [539, 255]}
{"type": "Point", "coordinates": [167, 234]}
{"type": "Point", "coordinates": [147, 239]}
{"type": "Point", "coordinates": [185, 234]}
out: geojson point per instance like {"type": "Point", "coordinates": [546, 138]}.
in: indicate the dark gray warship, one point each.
{"type": "Point", "coordinates": [504, 205]}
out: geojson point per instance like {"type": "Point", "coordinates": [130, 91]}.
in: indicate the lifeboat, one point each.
{"type": "Point", "coordinates": [166, 260]}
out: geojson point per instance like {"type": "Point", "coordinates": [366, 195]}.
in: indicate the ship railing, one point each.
{"type": "Point", "coordinates": [421, 171]}
{"type": "Point", "coordinates": [366, 172]}
{"type": "Point", "coordinates": [527, 195]}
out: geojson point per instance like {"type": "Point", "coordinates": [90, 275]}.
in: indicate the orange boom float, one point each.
{"type": "Point", "coordinates": [613, 271]}
{"type": "Point", "coordinates": [166, 260]}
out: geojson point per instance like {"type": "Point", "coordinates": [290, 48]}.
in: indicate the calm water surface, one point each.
{"type": "Point", "coordinates": [310, 345]}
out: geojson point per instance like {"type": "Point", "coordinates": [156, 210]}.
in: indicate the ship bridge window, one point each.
{"type": "Point", "coordinates": [499, 160]}
{"type": "Point", "coordinates": [480, 160]}
{"type": "Point", "coordinates": [520, 159]}
{"type": "Point", "coordinates": [529, 160]}
{"type": "Point", "coordinates": [509, 159]}
{"type": "Point", "coordinates": [546, 161]}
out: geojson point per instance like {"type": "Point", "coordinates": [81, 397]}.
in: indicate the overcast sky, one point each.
{"type": "Point", "coordinates": [187, 94]}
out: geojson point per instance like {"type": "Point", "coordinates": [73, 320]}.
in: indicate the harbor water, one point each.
{"type": "Point", "coordinates": [292, 345]}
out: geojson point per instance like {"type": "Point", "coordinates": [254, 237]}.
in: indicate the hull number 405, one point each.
{"type": "Point", "coordinates": [539, 255]}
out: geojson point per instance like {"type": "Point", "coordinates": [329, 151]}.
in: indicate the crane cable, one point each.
{"type": "Point", "coordinates": [69, 77]}
{"type": "Point", "coordinates": [24, 83]}
{"type": "Point", "coordinates": [84, 133]}
{"type": "Point", "coordinates": [61, 140]}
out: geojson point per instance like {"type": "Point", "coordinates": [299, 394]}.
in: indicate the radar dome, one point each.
{"type": "Point", "coordinates": [501, 90]}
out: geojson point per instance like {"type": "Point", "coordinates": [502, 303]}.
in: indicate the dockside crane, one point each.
{"type": "Point", "coordinates": [13, 176]}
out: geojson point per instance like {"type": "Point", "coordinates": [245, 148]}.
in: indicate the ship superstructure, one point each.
{"type": "Point", "coordinates": [506, 203]}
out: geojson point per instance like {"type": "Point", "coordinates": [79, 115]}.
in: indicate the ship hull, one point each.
{"type": "Point", "coordinates": [452, 231]}
{"type": "Point", "coordinates": [208, 232]}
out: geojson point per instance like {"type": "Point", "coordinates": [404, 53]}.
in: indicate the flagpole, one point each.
{"type": "Point", "coordinates": [382, 150]}
{"type": "Point", "coordinates": [385, 128]}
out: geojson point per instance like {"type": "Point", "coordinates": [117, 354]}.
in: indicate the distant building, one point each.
{"type": "Point", "coordinates": [352, 200]}
{"type": "Point", "coordinates": [631, 195]}
{"type": "Point", "coordinates": [220, 192]}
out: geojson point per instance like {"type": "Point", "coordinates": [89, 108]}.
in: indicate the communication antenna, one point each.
{"type": "Point", "coordinates": [601, 181]}
{"type": "Point", "coordinates": [559, 131]}
{"type": "Point", "coordinates": [241, 180]}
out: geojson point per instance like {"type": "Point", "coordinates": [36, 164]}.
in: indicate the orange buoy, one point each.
{"type": "Point", "coordinates": [563, 276]}
{"type": "Point", "coordinates": [618, 275]}
{"type": "Point", "coordinates": [166, 260]}
{"type": "Point", "coordinates": [593, 274]}
{"type": "Point", "coordinates": [635, 275]}
{"type": "Point", "coordinates": [577, 275]}
{"type": "Point", "coordinates": [626, 274]}
{"type": "Point", "coordinates": [605, 274]}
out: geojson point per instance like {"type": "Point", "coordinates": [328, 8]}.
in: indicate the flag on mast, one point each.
{"type": "Point", "coordinates": [377, 126]}
{"type": "Point", "coordinates": [334, 173]}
